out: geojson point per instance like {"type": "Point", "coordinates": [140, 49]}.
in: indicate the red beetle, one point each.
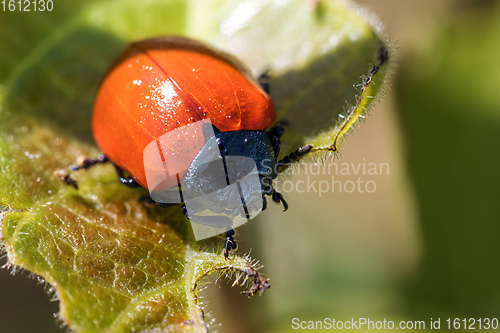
{"type": "Point", "coordinates": [161, 84]}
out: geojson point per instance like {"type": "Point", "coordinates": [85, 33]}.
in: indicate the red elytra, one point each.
{"type": "Point", "coordinates": [161, 84]}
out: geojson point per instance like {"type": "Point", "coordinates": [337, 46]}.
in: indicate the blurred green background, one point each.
{"type": "Point", "coordinates": [425, 243]}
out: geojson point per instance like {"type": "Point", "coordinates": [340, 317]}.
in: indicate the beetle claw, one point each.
{"type": "Point", "coordinates": [229, 244]}
{"type": "Point", "coordinates": [278, 198]}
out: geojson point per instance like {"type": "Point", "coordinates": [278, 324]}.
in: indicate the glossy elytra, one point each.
{"type": "Point", "coordinates": [158, 85]}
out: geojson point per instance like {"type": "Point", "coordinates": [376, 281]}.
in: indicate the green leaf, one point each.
{"type": "Point", "coordinates": [117, 265]}
{"type": "Point", "coordinates": [319, 54]}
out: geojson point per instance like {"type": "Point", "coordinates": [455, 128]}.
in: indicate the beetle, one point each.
{"type": "Point", "coordinates": [161, 84]}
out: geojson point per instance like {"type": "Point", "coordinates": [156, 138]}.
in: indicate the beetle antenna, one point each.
{"type": "Point", "coordinates": [293, 156]}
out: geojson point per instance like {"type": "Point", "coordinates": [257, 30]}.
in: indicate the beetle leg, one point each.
{"type": "Point", "coordinates": [130, 182]}
{"type": "Point", "coordinates": [147, 199]}
{"type": "Point", "coordinates": [84, 164]}
{"type": "Point", "coordinates": [165, 205]}
{"type": "Point", "coordinates": [267, 189]}
{"type": "Point", "coordinates": [89, 162]}
{"type": "Point", "coordinates": [267, 185]}
{"type": "Point", "coordinates": [66, 178]}
{"type": "Point", "coordinates": [184, 211]}
{"type": "Point", "coordinates": [229, 244]}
